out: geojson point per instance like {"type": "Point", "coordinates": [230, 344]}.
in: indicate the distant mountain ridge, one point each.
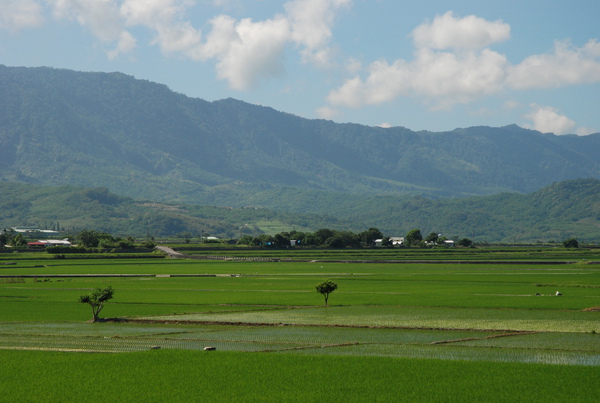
{"type": "Point", "coordinates": [140, 139]}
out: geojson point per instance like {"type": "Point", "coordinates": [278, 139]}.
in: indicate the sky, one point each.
{"type": "Point", "coordinates": [427, 65]}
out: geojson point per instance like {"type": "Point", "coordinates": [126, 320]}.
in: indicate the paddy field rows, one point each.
{"type": "Point", "coordinates": [481, 314]}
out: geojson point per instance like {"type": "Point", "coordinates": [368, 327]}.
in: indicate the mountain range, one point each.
{"type": "Point", "coordinates": [140, 140]}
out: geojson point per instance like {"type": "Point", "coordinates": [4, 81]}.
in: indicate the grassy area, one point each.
{"type": "Point", "coordinates": [185, 376]}
{"type": "Point", "coordinates": [396, 326]}
{"type": "Point", "coordinates": [543, 253]}
{"type": "Point", "coordinates": [273, 227]}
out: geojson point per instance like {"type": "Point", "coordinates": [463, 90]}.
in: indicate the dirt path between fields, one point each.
{"type": "Point", "coordinates": [172, 253]}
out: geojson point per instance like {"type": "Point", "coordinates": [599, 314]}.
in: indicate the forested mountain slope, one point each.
{"type": "Point", "coordinates": [553, 213]}
{"type": "Point", "coordinates": [139, 139]}
{"type": "Point", "coordinates": [70, 209]}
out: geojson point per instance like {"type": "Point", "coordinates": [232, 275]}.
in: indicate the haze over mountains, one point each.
{"type": "Point", "coordinates": [139, 139]}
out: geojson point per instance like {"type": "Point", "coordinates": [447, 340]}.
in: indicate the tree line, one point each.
{"type": "Point", "coordinates": [329, 238]}
{"type": "Point", "coordinates": [87, 238]}
{"type": "Point", "coordinates": [324, 237]}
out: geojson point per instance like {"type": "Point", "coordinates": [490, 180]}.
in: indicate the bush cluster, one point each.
{"type": "Point", "coordinates": [321, 238]}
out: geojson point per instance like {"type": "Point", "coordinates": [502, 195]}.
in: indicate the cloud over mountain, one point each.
{"type": "Point", "coordinates": [330, 57]}
{"type": "Point", "coordinates": [244, 51]}
{"type": "Point", "coordinates": [454, 64]}
{"type": "Point", "coordinates": [20, 14]}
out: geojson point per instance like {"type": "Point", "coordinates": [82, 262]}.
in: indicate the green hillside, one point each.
{"type": "Point", "coordinates": [71, 209]}
{"type": "Point", "coordinates": [562, 210]}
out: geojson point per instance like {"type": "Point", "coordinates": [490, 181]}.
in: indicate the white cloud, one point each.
{"type": "Point", "coordinates": [443, 77]}
{"type": "Point", "coordinates": [109, 20]}
{"type": "Point", "coordinates": [547, 119]}
{"type": "Point", "coordinates": [384, 83]}
{"type": "Point", "coordinates": [20, 14]}
{"type": "Point", "coordinates": [449, 78]}
{"type": "Point", "coordinates": [567, 65]}
{"type": "Point", "coordinates": [449, 32]}
{"type": "Point", "coordinates": [246, 50]}
{"type": "Point", "coordinates": [311, 22]}
{"type": "Point", "coordinates": [453, 64]}
{"type": "Point", "coordinates": [125, 44]}
{"type": "Point", "coordinates": [102, 18]}
{"type": "Point", "coordinates": [220, 38]}
{"type": "Point", "coordinates": [165, 17]}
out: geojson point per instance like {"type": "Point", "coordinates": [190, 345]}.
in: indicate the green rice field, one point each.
{"type": "Point", "coordinates": [415, 330]}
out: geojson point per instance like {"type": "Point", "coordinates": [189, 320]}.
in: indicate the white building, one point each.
{"type": "Point", "coordinates": [395, 240]}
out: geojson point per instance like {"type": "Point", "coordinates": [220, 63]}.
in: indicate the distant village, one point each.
{"type": "Point", "coordinates": [42, 242]}
{"type": "Point", "coordinates": [322, 237]}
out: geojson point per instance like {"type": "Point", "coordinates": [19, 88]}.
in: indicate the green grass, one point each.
{"type": "Point", "coordinates": [457, 353]}
{"type": "Point", "coordinates": [186, 376]}
{"type": "Point", "coordinates": [392, 331]}
{"type": "Point", "coordinates": [467, 255]}
{"type": "Point", "coordinates": [548, 341]}
{"type": "Point", "coordinates": [557, 254]}
{"type": "Point", "coordinates": [548, 348]}
{"type": "Point", "coordinates": [273, 227]}
{"type": "Point", "coordinates": [411, 317]}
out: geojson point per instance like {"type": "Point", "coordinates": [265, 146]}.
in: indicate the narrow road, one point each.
{"type": "Point", "coordinates": [173, 254]}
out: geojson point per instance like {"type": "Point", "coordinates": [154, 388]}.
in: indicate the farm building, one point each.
{"type": "Point", "coordinates": [395, 241]}
{"type": "Point", "coordinates": [48, 242]}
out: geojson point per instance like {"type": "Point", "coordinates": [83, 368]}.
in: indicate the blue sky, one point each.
{"type": "Point", "coordinates": [428, 65]}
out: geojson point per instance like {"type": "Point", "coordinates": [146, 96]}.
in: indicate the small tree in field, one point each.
{"type": "Point", "coordinates": [96, 300]}
{"type": "Point", "coordinates": [466, 242]}
{"type": "Point", "coordinates": [326, 288]}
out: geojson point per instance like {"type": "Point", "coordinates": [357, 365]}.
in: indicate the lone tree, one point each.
{"type": "Point", "coordinates": [466, 242]}
{"type": "Point", "coordinates": [96, 300]}
{"type": "Point", "coordinates": [571, 243]}
{"type": "Point", "coordinates": [326, 288]}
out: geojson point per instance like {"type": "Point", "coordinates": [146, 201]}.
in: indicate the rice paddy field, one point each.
{"type": "Point", "coordinates": [407, 329]}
